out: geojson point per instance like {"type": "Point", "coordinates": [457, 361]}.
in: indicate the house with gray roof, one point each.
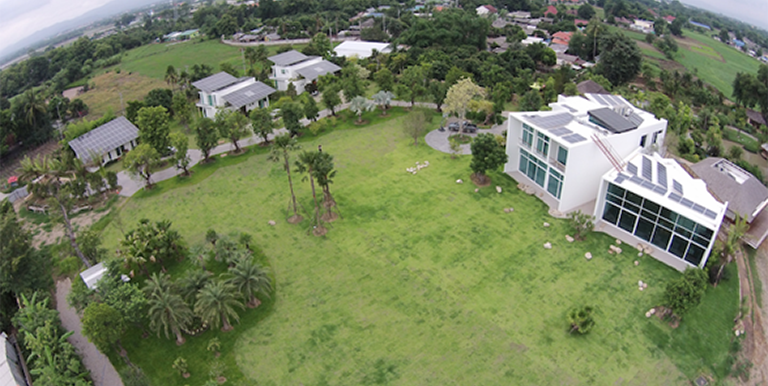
{"type": "Point", "coordinates": [744, 194]}
{"type": "Point", "coordinates": [108, 141]}
{"type": "Point", "coordinates": [224, 91]}
{"type": "Point", "coordinates": [295, 68]}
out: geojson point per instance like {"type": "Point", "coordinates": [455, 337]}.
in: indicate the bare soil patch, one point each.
{"type": "Point", "coordinates": [320, 231]}
{"type": "Point", "coordinates": [295, 219]}
{"type": "Point", "coordinates": [480, 182]}
{"type": "Point", "coordinates": [329, 217]}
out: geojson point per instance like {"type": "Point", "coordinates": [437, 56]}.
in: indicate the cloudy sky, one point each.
{"type": "Point", "coordinates": [22, 18]}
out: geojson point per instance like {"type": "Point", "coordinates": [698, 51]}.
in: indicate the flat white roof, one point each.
{"type": "Point", "coordinates": [360, 49]}
{"type": "Point", "coordinates": [665, 182]}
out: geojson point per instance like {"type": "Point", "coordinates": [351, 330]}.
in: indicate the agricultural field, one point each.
{"type": "Point", "coordinates": [106, 95]}
{"type": "Point", "coordinates": [422, 281]}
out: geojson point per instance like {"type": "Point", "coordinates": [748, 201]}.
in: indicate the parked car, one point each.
{"type": "Point", "coordinates": [453, 126]}
{"type": "Point", "coordinates": [470, 127]}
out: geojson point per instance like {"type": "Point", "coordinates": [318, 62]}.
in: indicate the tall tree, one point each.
{"type": "Point", "coordinates": [383, 99]}
{"type": "Point", "coordinates": [310, 108]}
{"type": "Point", "coordinates": [154, 128]}
{"type": "Point", "coordinates": [291, 113]}
{"type": "Point", "coordinates": [438, 90]}
{"type": "Point", "coordinates": [305, 164]}
{"type": "Point", "coordinates": [416, 79]}
{"type": "Point", "coordinates": [232, 125]}
{"type": "Point", "coordinates": [22, 268]}
{"type": "Point", "coordinates": [262, 124]}
{"type": "Point", "coordinates": [282, 146]}
{"type": "Point", "coordinates": [206, 136]}
{"type": "Point", "coordinates": [103, 326]}
{"type": "Point", "coordinates": [384, 79]}
{"type": "Point", "coordinates": [323, 170]}
{"type": "Point", "coordinates": [620, 58]}
{"type": "Point", "coordinates": [415, 124]}
{"type": "Point", "coordinates": [140, 161]}
{"type": "Point", "coordinates": [486, 155]}
{"type": "Point", "coordinates": [181, 159]}
{"type": "Point", "coordinates": [331, 97]}
{"type": "Point", "coordinates": [359, 105]}
{"type": "Point", "coordinates": [181, 109]}
{"type": "Point", "coordinates": [171, 76]}
{"type": "Point", "coordinates": [250, 278]}
{"type": "Point", "coordinates": [168, 312]}
{"type": "Point", "coordinates": [458, 97]}
{"type": "Point", "coordinates": [216, 304]}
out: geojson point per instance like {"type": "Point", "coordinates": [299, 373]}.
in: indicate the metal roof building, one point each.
{"type": "Point", "coordinates": [361, 50]}
{"type": "Point", "coordinates": [109, 140]}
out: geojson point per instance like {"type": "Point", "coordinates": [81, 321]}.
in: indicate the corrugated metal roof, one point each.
{"type": "Point", "coordinates": [288, 58]}
{"type": "Point", "coordinates": [318, 69]}
{"type": "Point", "coordinates": [215, 82]}
{"type": "Point", "coordinates": [104, 138]}
{"type": "Point", "coordinates": [742, 197]}
{"type": "Point", "coordinates": [248, 94]}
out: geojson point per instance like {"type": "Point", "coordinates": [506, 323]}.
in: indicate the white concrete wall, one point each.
{"type": "Point", "coordinates": [282, 79]}
{"type": "Point", "coordinates": [514, 138]}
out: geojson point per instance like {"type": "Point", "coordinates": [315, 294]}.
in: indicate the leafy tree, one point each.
{"type": "Point", "coordinates": [541, 54]}
{"type": "Point", "coordinates": [78, 108]}
{"type": "Point", "coordinates": [168, 312]}
{"type": "Point", "coordinates": [458, 97]}
{"type": "Point", "coordinates": [140, 161]}
{"type": "Point", "coordinates": [531, 101]}
{"type": "Point", "coordinates": [226, 25]}
{"type": "Point", "coordinates": [171, 76]}
{"type": "Point", "coordinates": [580, 320]}
{"type": "Point", "coordinates": [206, 137]}
{"type": "Point", "coordinates": [229, 68]}
{"type": "Point", "coordinates": [331, 97]}
{"type": "Point", "coordinates": [181, 159]}
{"type": "Point", "coordinates": [438, 90]}
{"type": "Point", "coordinates": [257, 54]}
{"type": "Point", "coordinates": [415, 124]}
{"type": "Point", "coordinates": [582, 224]}
{"type": "Point", "coordinates": [685, 292]}
{"type": "Point", "coordinates": [586, 12]}
{"type": "Point", "coordinates": [310, 108]}
{"type": "Point", "coordinates": [132, 110]}
{"type": "Point", "coordinates": [250, 279]}
{"type": "Point", "coordinates": [232, 125]}
{"type": "Point", "coordinates": [724, 36]}
{"type": "Point", "coordinates": [281, 148]}
{"type": "Point", "coordinates": [416, 79]}
{"type": "Point", "coordinates": [455, 145]}
{"type": "Point", "coordinates": [154, 128]}
{"type": "Point", "coordinates": [486, 155]}
{"type": "Point", "coordinates": [261, 123]}
{"type": "Point", "coordinates": [291, 91]}
{"type": "Point", "coordinates": [216, 304]}
{"type": "Point", "coordinates": [323, 171]}
{"type": "Point", "coordinates": [103, 326]}
{"type": "Point", "coordinates": [676, 27]}
{"type": "Point", "coordinates": [384, 79]}
{"type": "Point", "coordinates": [319, 45]}
{"type": "Point", "coordinates": [358, 105]}
{"type": "Point", "coordinates": [291, 113]}
{"type": "Point", "coordinates": [160, 97]}
{"type": "Point", "coordinates": [351, 85]}
{"type": "Point", "coordinates": [181, 109]}
{"type": "Point", "coordinates": [403, 92]}
{"type": "Point", "coordinates": [22, 268]}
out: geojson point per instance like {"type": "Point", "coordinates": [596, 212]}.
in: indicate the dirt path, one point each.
{"type": "Point", "coordinates": [759, 374]}
{"type": "Point", "coordinates": [102, 371]}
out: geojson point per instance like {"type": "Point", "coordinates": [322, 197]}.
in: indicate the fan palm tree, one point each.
{"type": "Point", "coordinates": [383, 99]}
{"type": "Point", "coordinates": [305, 164]}
{"type": "Point", "coordinates": [170, 313]}
{"type": "Point", "coordinates": [171, 76]}
{"type": "Point", "coordinates": [281, 146]}
{"type": "Point", "coordinates": [250, 278]}
{"type": "Point", "coordinates": [192, 283]}
{"type": "Point", "coordinates": [359, 105]}
{"type": "Point", "coordinates": [216, 304]}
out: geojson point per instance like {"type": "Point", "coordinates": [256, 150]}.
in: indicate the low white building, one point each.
{"type": "Point", "coordinates": [531, 40]}
{"type": "Point", "coordinates": [224, 91]}
{"type": "Point", "coordinates": [108, 141]}
{"type": "Point", "coordinates": [644, 26]}
{"type": "Point", "coordinates": [11, 368]}
{"type": "Point", "coordinates": [299, 69]}
{"type": "Point", "coordinates": [360, 50]}
{"type": "Point", "coordinates": [584, 148]}
{"type": "Point", "coordinates": [485, 10]}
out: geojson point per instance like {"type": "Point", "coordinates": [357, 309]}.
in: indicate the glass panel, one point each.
{"type": "Point", "coordinates": [702, 241]}
{"type": "Point", "coordinates": [644, 229]}
{"type": "Point", "coordinates": [704, 232]}
{"type": "Point", "coordinates": [668, 214]}
{"type": "Point", "coordinates": [614, 199]}
{"type": "Point", "coordinates": [627, 221]}
{"type": "Point", "coordinates": [611, 213]}
{"type": "Point", "coordinates": [683, 232]}
{"type": "Point", "coordinates": [541, 174]}
{"type": "Point", "coordinates": [562, 155]}
{"type": "Point", "coordinates": [686, 223]}
{"type": "Point", "coordinates": [553, 187]}
{"type": "Point", "coordinates": [650, 216]}
{"type": "Point", "coordinates": [632, 207]}
{"type": "Point", "coordinates": [694, 255]}
{"type": "Point", "coordinates": [531, 170]}
{"type": "Point", "coordinates": [666, 223]}
{"type": "Point", "coordinates": [631, 197]}
{"type": "Point", "coordinates": [678, 246]}
{"type": "Point", "coordinates": [523, 164]}
{"type": "Point", "coordinates": [661, 237]}
{"type": "Point", "coordinates": [616, 190]}
{"type": "Point", "coordinates": [651, 206]}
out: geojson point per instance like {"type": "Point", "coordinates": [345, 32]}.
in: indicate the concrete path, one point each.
{"type": "Point", "coordinates": [102, 371]}
{"type": "Point", "coordinates": [438, 140]}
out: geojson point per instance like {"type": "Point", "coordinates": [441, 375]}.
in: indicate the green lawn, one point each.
{"type": "Point", "coordinates": [423, 281]}
{"type": "Point", "coordinates": [152, 60]}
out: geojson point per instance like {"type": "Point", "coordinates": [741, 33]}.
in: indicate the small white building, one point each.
{"type": "Point", "coordinates": [588, 146]}
{"type": "Point", "coordinates": [224, 91]}
{"type": "Point", "coordinates": [91, 276]}
{"type": "Point", "coordinates": [360, 50]}
{"type": "Point", "coordinates": [485, 10]}
{"type": "Point", "coordinates": [299, 69]}
{"type": "Point", "coordinates": [11, 369]}
{"type": "Point", "coordinates": [108, 141]}
{"type": "Point", "coordinates": [644, 26]}
{"type": "Point", "coordinates": [531, 40]}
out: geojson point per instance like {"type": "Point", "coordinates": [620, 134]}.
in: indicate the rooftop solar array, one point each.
{"type": "Point", "coordinates": [104, 138]}
{"type": "Point", "coordinates": [611, 120]}
{"type": "Point", "coordinates": [574, 138]}
{"type": "Point", "coordinates": [288, 58]}
{"type": "Point", "coordinates": [677, 186]}
{"type": "Point", "coordinates": [319, 69]}
{"type": "Point", "coordinates": [215, 82]}
{"type": "Point", "coordinates": [661, 174]}
{"type": "Point", "coordinates": [632, 168]}
{"type": "Point", "coordinates": [248, 94]}
{"type": "Point", "coordinates": [571, 109]}
{"type": "Point", "coordinates": [608, 99]}
{"type": "Point", "coordinates": [647, 169]}
{"type": "Point", "coordinates": [635, 119]}
{"type": "Point", "coordinates": [560, 131]}
{"type": "Point", "coordinates": [690, 204]}
{"type": "Point", "coordinates": [550, 121]}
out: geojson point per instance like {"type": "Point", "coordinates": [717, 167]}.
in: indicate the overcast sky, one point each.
{"type": "Point", "coordinates": [22, 18]}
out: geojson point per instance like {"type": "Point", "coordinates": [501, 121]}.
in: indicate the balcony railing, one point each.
{"type": "Point", "coordinates": [557, 164]}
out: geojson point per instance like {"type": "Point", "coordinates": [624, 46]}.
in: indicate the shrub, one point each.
{"type": "Point", "coordinates": [685, 292]}
{"type": "Point", "coordinates": [581, 223]}
{"type": "Point", "coordinates": [580, 319]}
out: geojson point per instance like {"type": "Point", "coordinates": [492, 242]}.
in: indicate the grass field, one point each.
{"type": "Point", "coordinates": [423, 281]}
{"type": "Point", "coordinates": [110, 85]}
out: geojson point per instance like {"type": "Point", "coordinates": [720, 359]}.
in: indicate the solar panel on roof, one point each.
{"type": "Point", "coordinates": [619, 179]}
{"type": "Point", "coordinates": [677, 186]}
{"type": "Point", "coordinates": [632, 168]}
{"type": "Point", "coordinates": [686, 203]}
{"type": "Point", "coordinates": [710, 214]}
{"type": "Point", "coordinates": [571, 109]}
{"type": "Point", "coordinates": [550, 121]}
{"type": "Point", "coordinates": [574, 138]}
{"type": "Point", "coordinates": [659, 189]}
{"type": "Point", "coordinates": [698, 208]}
{"type": "Point", "coordinates": [611, 120]}
{"type": "Point", "coordinates": [647, 185]}
{"type": "Point", "coordinates": [647, 169]}
{"type": "Point", "coordinates": [561, 131]}
{"type": "Point", "coordinates": [661, 174]}
{"type": "Point", "coordinates": [599, 99]}
{"type": "Point", "coordinates": [636, 119]}
{"type": "Point", "coordinates": [675, 197]}
{"type": "Point", "coordinates": [636, 180]}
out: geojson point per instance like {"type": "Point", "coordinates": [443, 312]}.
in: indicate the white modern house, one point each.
{"type": "Point", "coordinates": [299, 69]}
{"type": "Point", "coordinates": [360, 49]}
{"type": "Point", "coordinates": [108, 141]}
{"type": "Point", "coordinates": [598, 154]}
{"type": "Point", "coordinates": [224, 91]}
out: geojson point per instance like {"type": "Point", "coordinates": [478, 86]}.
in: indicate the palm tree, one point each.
{"type": "Point", "coordinates": [249, 277]}
{"type": "Point", "coordinates": [594, 27]}
{"type": "Point", "coordinates": [167, 310]}
{"type": "Point", "coordinates": [324, 173]}
{"type": "Point", "coordinates": [33, 107]}
{"type": "Point", "coordinates": [281, 146]}
{"type": "Point", "coordinates": [192, 283]}
{"type": "Point", "coordinates": [383, 99]}
{"type": "Point", "coordinates": [171, 76]}
{"type": "Point", "coordinates": [216, 304]}
{"type": "Point", "coordinates": [359, 105]}
{"type": "Point", "coordinates": [305, 164]}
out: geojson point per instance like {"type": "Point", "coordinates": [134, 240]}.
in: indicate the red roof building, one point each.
{"type": "Point", "coordinates": [562, 37]}
{"type": "Point", "coordinates": [579, 22]}
{"type": "Point", "coordinates": [652, 12]}
{"type": "Point", "coordinates": [551, 9]}
{"type": "Point", "coordinates": [669, 18]}
{"type": "Point", "coordinates": [490, 8]}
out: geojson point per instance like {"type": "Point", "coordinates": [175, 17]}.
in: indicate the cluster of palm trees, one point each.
{"type": "Point", "coordinates": [318, 167]}
{"type": "Point", "coordinates": [174, 306]}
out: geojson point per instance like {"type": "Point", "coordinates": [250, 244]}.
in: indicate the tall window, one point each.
{"type": "Point", "coordinates": [562, 155]}
{"type": "Point", "coordinates": [656, 224]}
{"type": "Point", "coordinates": [210, 100]}
{"type": "Point", "coordinates": [527, 135]}
{"type": "Point", "coordinates": [642, 140]}
{"type": "Point", "coordinates": [542, 144]}
{"type": "Point", "coordinates": [533, 168]}
{"type": "Point", "coordinates": [555, 184]}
